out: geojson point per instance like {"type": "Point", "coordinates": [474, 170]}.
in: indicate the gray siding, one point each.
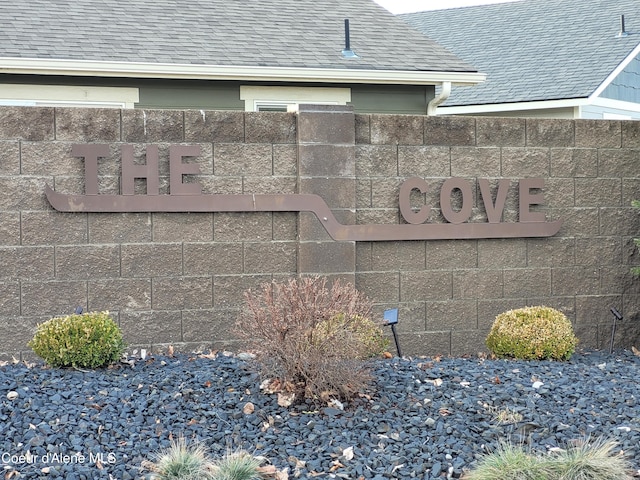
{"type": "Point", "coordinates": [626, 86]}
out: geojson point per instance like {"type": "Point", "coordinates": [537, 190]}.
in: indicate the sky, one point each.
{"type": "Point", "coordinates": [408, 6]}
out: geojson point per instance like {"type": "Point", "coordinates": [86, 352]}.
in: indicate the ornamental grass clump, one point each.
{"type": "Point", "coordinates": [182, 461]}
{"type": "Point", "coordinates": [310, 338]}
{"type": "Point", "coordinates": [88, 340]}
{"type": "Point", "coordinates": [532, 333]}
{"type": "Point", "coordinates": [586, 460]}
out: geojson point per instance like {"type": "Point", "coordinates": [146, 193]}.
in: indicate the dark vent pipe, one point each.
{"type": "Point", "coordinates": [623, 31]}
{"type": "Point", "coordinates": [347, 52]}
{"type": "Point", "coordinates": [347, 37]}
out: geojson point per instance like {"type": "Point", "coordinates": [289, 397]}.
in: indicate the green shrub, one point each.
{"type": "Point", "coordinates": [366, 331]}
{"type": "Point", "coordinates": [588, 460]}
{"type": "Point", "coordinates": [509, 462]}
{"type": "Point", "coordinates": [88, 340]}
{"type": "Point", "coordinates": [532, 333]}
{"type": "Point", "coordinates": [182, 462]}
{"type": "Point", "coordinates": [236, 466]}
{"type": "Point", "coordinates": [311, 338]}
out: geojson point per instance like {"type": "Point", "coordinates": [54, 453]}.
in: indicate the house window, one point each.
{"type": "Point", "coordinates": [283, 99]}
{"type": "Point", "coordinates": [68, 96]}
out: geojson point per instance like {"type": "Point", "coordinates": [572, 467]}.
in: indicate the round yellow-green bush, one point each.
{"type": "Point", "coordinates": [532, 333]}
{"type": "Point", "coordinates": [370, 339]}
{"type": "Point", "coordinates": [87, 340]}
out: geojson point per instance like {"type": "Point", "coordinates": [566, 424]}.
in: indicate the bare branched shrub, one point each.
{"type": "Point", "coordinates": [292, 329]}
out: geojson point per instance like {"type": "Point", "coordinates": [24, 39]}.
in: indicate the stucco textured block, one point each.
{"type": "Point", "coordinates": [270, 127]}
{"type": "Point", "coordinates": [426, 285]}
{"type": "Point", "coordinates": [489, 309]}
{"type": "Point", "coordinates": [9, 297]}
{"type": "Point", "coordinates": [151, 260]}
{"type": "Point", "coordinates": [578, 222]}
{"type": "Point", "coordinates": [152, 126]}
{"type": "Point", "coordinates": [267, 257]}
{"type": "Point", "coordinates": [285, 226]}
{"type": "Point", "coordinates": [269, 185]}
{"type": "Point", "coordinates": [29, 263]}
{"type": "Point", "coordinates": [385, 193]}
{"type": "Point", "coordinates": [475, 283]}
{"type": "Point", "coordinates": [500, 132]}
{"type": "Point", "coordinates": [476, 162]}
{"type": "Point", "coordinates": [599, 251]}
{"type": "Point", "coordinates": [119, 294]}
{"type": "Point", "coordinates": [328, 128]}
{"type": "Point", "coordinates": [337, 192]}
{"type": "Point", "coordinates": [250, 226]}
{"type": "Point", "coordinates": [619, 221]}
{"type": "Point", "coordinates": [452, 315]}
{"type": "Point", "coordinates": [397, 129]}
{"type": "Point", "coordinates": [213, 126]}
{"type": "Point", "coordinates": [452, 254]}
{"type": "Point", "coordinates": [207, 326]}
{"type": "Point", "coordinates": [376, 160]}
{"type": "Point", "coordinates": [527, 282]}
{"type": "Point", "coordinates": [242, 159]}
{"type": "Point", "coordinates": [9, 157]}
{"type": "Point", "coordinates": [574, 162]}
{"type": "Point", "coordinates": [598, 134]}
{"type": "Point", "coordinates": [84, 262]}
{"type": "Point", "coordinates": [27, 123]}
{"type": "Point", "coordinates": [88, 125]}
{"type": "Point", "coordinates": [151, 327]}
{"type": "Point", "coordinates": [53, 298]}
{"type": "Point", "coordinates": [285, 160]}
{"type": "Point", "coordinates": [363, 129]}
{"type": "Point", "coordinates": [559, 192]}
{"type": "Point", "coordinates": [469, 342]}
{"type": "Point", "coordinates": [16, 332]}
{"type": "Point", "coordinates": [182, 227]}
{"type": "Point", "coordinates": [575, 281]}
{"type": "Point", "coordinates": [53, 158]}
{"type": "Point", "coordinates": [229, 290]}
{"type": "Point", "coordinates": [37, 228]}
{"type": "Point", "coordinates": [424, 161]}
{"type": "Point", "coordinates": [630, 135]}
{"type": "Point", "coordinates": [542, 132]}
{"type": "Point", "coordinates": [327, 160]}
{"type": "Point", "coordinates": [213, 258]}
{"type": "Point", "coordinates": [178, 293]}
{"type": "Point", "coordinates": [614, 162]}
{"type": "Point", "coordinates": [526, 162]}
{"type": "Point", "coordinates": [502, 253]}
{"type": "Point", "coordinates": [380, 287]}
{"type": "Point", "coordinates": [120, 227]}
{"type": "Point", "coordinates": [326, 257]}
{"type": "Point", "coordinates": [443, 130]}
{"type": "Point", "coordinates": [425, 343]}
{"type": "Point", "coordinates": [9, 228]}
{"type": "Point", "coordinates": [601, 192]}
{"type": "Point", "coordinates": [24, 193]}
{"type": "Point", "coordinates": [391, 256]}
{"type": "Point", "coordinates": [551, 252]}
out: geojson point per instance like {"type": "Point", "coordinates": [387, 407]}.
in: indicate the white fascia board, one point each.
{"type": "Point", "coordinates": [615, 104]}
{"type": "Point", "coordinates": [607, 81]}
{"type": "Point", "coordinates": [37, 66]}
{"type": "Point", "coordinates": [511, 107]}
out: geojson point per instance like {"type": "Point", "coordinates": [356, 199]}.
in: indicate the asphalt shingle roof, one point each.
{"type": "Point", "coordinates": [273, 33]}
{"type": "Point", "coordinates": [534, 50]}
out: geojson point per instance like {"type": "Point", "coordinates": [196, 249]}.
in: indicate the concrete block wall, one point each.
{"type": "Point", "coordinates": [178, 278]}
{"type": "Point", "coordinates": [449, 291]}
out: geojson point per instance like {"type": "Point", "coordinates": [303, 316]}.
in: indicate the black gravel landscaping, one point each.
{"type": "Point", "coordinates": [423, 418]}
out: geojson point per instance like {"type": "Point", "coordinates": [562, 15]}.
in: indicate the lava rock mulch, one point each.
{"type": "Point", "coordinates": [425, 417]}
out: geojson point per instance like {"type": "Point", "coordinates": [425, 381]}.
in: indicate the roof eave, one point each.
{"type": "Point", "coordinates": [38, 66]}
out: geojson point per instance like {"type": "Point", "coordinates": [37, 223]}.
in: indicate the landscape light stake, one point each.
{"type": "Point", "coordinates": [391, 318]}
{"type": "Point", "coordinates": [616, 316]}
